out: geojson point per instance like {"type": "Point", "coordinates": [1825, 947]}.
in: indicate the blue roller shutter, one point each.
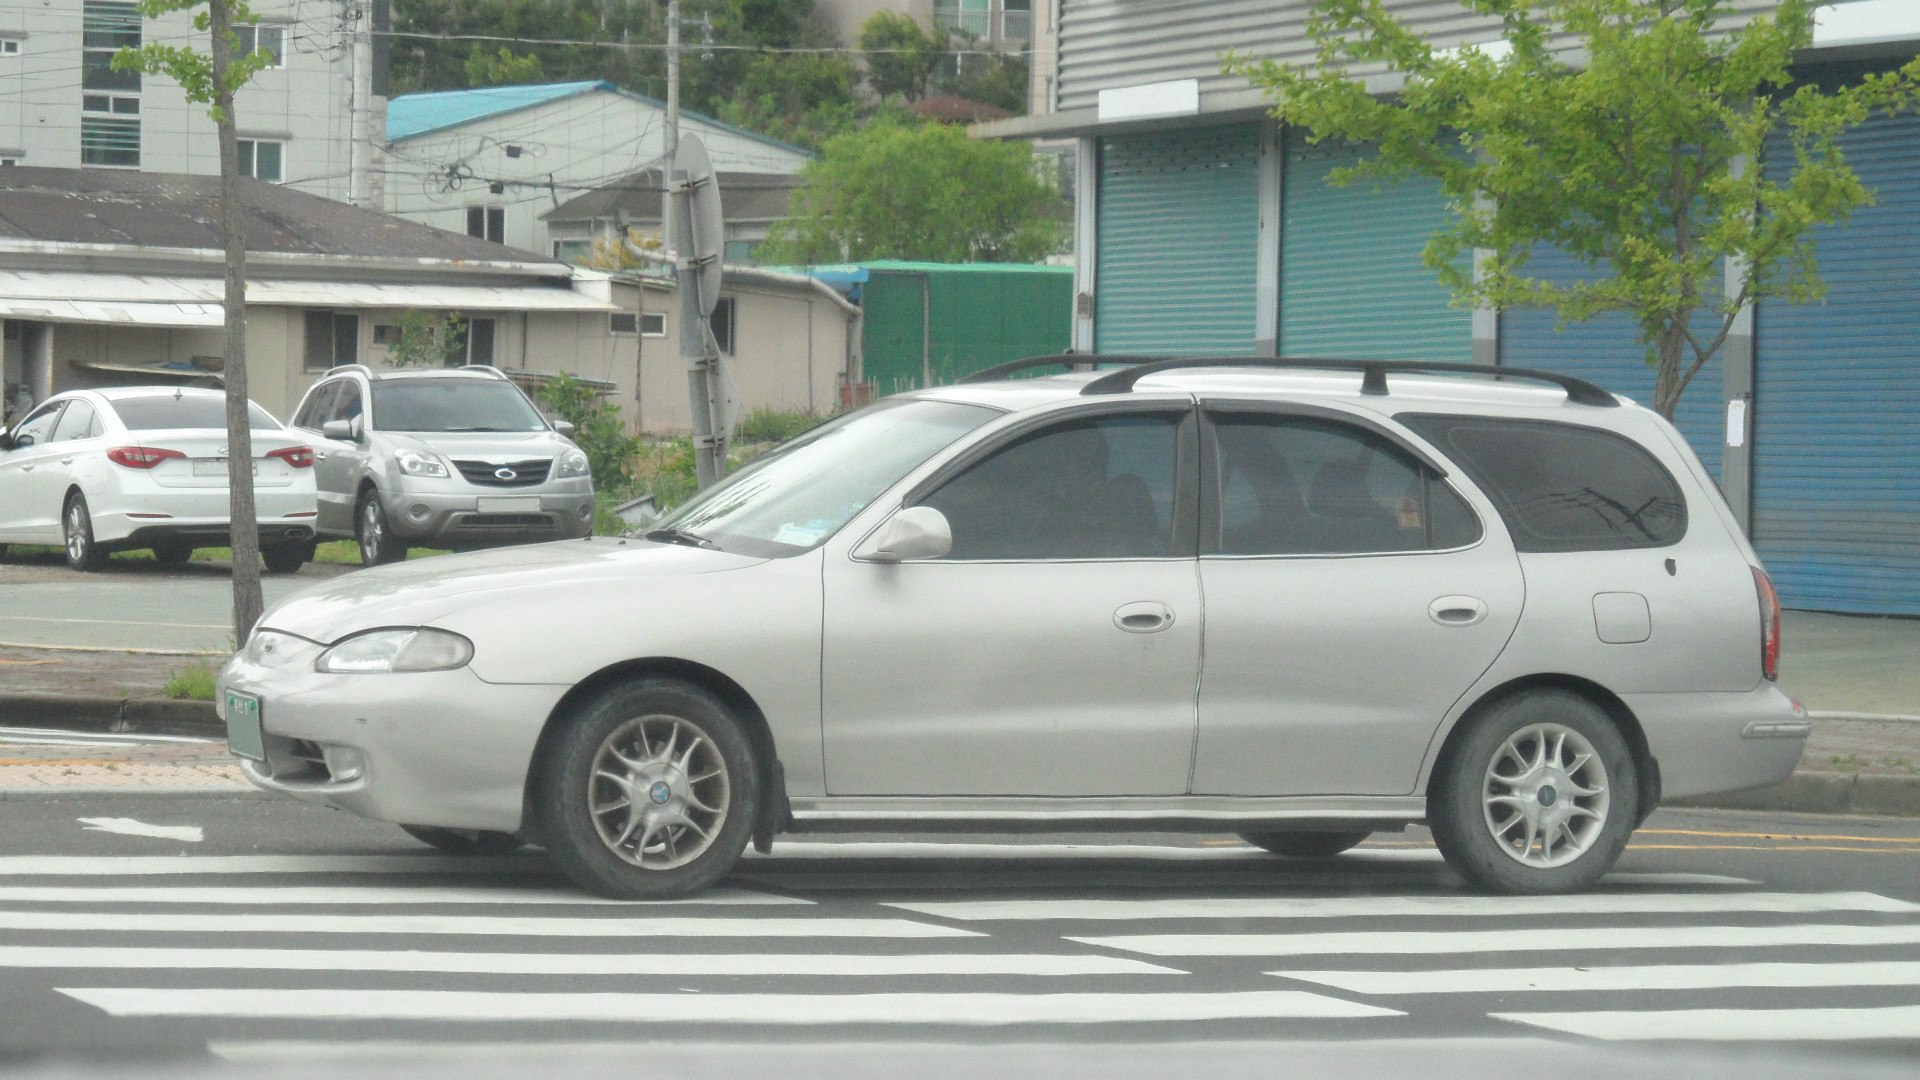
{"type": "Point", "coordinates": [1179, 218]}
{"type": "Point", "coordinates": [1603, 350]}
{"type": "Point", "coordinates": [1352, 281]}
{"type": "Point", "coordinates": [1836, 440]}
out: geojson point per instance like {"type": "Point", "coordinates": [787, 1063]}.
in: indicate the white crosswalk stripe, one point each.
{"type": "Point", "coordinates": [246, 945]}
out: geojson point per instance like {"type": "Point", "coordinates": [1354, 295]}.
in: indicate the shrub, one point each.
{"type": "Point", "coordinates": [597, 429]}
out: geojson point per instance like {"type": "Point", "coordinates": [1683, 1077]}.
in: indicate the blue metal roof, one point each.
{"type": "Point", "coordinates": [414, 114]}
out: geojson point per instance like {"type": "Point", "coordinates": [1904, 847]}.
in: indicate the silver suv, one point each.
{"type": "Point", "coordinates": [1519, 613]}
{"type": "Point", "coordinates": [457, 459]}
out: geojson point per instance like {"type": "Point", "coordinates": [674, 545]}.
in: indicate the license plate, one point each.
{"type": "Point", "coordinates": [509, 504]}
{"type": "Point", "coordinates": [243, 726]}
{"type": "Point", "coordinates": [216, 467]}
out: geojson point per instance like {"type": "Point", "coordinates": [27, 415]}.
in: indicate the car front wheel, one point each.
{"type": "Point", "coordinates": [1305, 845]}
{"type": "Point", "coordinates": [648, 792]}
{"type": "Point", "coordinates": [1538, 797]}
{"type": "Point", "coordinates": [378, 545]}
{"type": "Point", "coordinates": [77, 526]}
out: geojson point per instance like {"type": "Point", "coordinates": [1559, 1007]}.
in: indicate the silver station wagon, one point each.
{"type": "Point", "coordinates": [1301, 601]}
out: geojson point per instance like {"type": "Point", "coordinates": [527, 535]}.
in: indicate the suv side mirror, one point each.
{"type": "Point", "coordinates": [341, 430]}
{"type": "Point", "coordinates": [917, 532]}
{"type": "Point", "coordinates": [564, 428]}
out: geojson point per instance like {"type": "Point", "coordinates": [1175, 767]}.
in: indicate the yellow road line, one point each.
{"type": "Point", "coordinates": [1780, 836]}
{"type": "Point", "coordinates": [1773, 847]}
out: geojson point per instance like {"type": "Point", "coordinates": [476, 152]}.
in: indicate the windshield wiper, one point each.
{"type": "Point", "coordinates": [471, 429]}
{"type": "Point", "coordinates": [673, 535]}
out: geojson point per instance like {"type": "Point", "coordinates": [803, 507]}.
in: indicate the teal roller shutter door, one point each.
{"type": "Point", "coordinates": [1352, 281]}
{"type": "Point", "coordinates": [1836, 441]}
{"type": "Point", "coordinates": [1179, 218]}
{"type": "Point", "coordinates": [1603, 350]}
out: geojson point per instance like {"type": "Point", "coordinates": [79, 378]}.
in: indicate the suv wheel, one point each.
{"type": "Point", "coordinates": [464, 841]}
{"type": "Point", "coordinates": [649, 792]}
{"type": "Point", "coordinates": [1305, 845]}
{"type": "Point", "coordinates": [1538, 797]}
{"type": "Point", "coordinates": [77, 527]}
{"type": "Point", "coordinates": [377, 543]}
{"type": "Point", "coordinates": [287, 558]}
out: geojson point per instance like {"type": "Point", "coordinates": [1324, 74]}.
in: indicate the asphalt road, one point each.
{"type": "Point", "coordinates": [280, 938]}
{"type": "Point", "coordinates": [129, 605]}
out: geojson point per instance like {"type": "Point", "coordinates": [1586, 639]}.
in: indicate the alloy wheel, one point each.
{"type": "Point", "coordinates": [79, 532]}
{"type": "Point", "coordinates": [659, 792]}
{"type": "Point", "coordinates": [1545, 795]}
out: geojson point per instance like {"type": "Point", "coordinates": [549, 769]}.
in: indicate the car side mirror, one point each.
{"type": "Point", "coordinates": [564, 428]}
{"type": "Point", "coordinates": [917, 532]}
{"type": "Point", "coordinates": [338, 430]}
{"type": "Point", "coordinates": [20, 442]}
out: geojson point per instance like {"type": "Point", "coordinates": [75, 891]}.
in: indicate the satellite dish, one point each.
{"type": "Point", "coordinates": [709, 227]}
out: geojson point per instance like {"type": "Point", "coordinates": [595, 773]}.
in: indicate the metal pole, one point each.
{"type": "Point", "coordinates": [668, 220]}
{"type": "Point", "coordinates": [693, 341]}
{"type": "Point", "coordinates": [926, 330]}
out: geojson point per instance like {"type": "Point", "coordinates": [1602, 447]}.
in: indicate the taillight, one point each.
{"type": "Point", "coordinates": [300, 457]}
{"type": "Point", "coordinates": [141, 457]}
{"type": "Point", "coordinates": [1769, 624]}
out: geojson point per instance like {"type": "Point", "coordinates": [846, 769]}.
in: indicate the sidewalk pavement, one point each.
{"type": "Point", "coordinates": [51, 759]}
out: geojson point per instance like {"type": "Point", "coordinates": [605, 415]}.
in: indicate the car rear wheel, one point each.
{"type": "Point", "coordinates": [287, 558]}
{"type": "Point", "coordinates": [649, 791]}
{"type": "Point", "coordinates": [1305, 845]}
{"type": "Point", "coordinates": [378, 545]}
{"type": "Point", "coordinates": [77, 527]}
{"type": "Point", "coordinates": [1538, 796]}
{"type": "Point", "coordinates": [172, 554]}
{"type": "Point", "coordinates": [464, 841]}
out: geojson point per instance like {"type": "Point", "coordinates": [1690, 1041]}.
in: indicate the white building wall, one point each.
{"type": "Point", "coordinates": [564, 148]}
{"type": "Point", "coordinates": [306, 103]}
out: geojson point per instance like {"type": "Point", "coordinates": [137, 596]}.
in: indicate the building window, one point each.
{"type": "Point", "coordinates": [653, 325]}
{"type": "Point", "coordinates": [487, 223]}
{"type": "Point", "coordinates": [109, 141]}
{"type": "Point", "coordinates": [623, 322]}
{"type": "Point", "coordinates": [1016, 21]}
{"type": "Point", "coordinates": [967, 16]}
{"type": "Point", "coordinates": [9, 47]}
{"type": "Point", "coordinates": [479, 342]}
{"type": "Point", "coordinates": [106, 28]}
{"type": "Point", "coordinates": [8, 162]}
{"type": "Point", "coordinates": [260, 159]}
{"type": "Point", "coordinates": [386, 334]}
{"type": "Point", "coordinates": [723, 324]}
{"type": "Point", "coordinates": [740, 251]}
{"type": "Point", "coordinates": [333, 339]}
{"type": "Point", "coordinates": [271, 38]}
{"type": "Point", "coordinates": [570, 250]}
{"type": "Point", "coordinates": [106, 103]}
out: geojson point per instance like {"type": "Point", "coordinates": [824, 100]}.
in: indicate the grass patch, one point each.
{"type": "Point", "coordinates": [193, 683]}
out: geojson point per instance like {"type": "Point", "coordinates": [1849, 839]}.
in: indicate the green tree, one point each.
{"type": "Point", "coordinates": [425, 341]}
{"type": "Point", "coordinates": [804, 99]}
{"type": "Point", "coordinates": [907, 191]}
{"type": "Point", "coordinates": [997, 79]}
{"type": "Point", "coordinates": [597, 430]}
{"type": "Point", "coordinates": [1626, 133]}
{"type": "Point", "coordinates": [210, 79]}
{"type": "Point", "coordinates": [502, 68]}
{"type": "Point", "coordinates": [901, 57]}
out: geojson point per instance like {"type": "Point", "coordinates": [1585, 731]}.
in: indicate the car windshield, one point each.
{"type": "Point", "coordinates": [463, 404]}
{"type": "Point", "coordinates": [164, 412]}
{"type": "Point", "coordinates": [792, 499]}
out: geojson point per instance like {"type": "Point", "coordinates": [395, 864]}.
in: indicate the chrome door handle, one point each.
{"type": "Point", "coordinates": [1458, 611]}
{"type": "Point", "coordinates": [26, 468]}
{"type": "Point", "coordinates": [66, 461]}
{"type": "Point", "coordinates": [1143, 617]}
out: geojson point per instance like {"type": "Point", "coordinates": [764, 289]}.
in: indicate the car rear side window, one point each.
{"type": "Point", "coordinates": [1563, 487]}
{"type": "Point", "coordinates": [1291, 485]}
{"type": "Point", "coordinates": [1086, 489]}
{"type": "Point", "coordinates": [78, 422]}
{"type": "Point", "coordinates": [164, 412]}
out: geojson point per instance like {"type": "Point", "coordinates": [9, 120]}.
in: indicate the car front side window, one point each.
{"type": "Point", "coordinates": [1099, 488]}
{"type": "Point", "coordinates": [36, 428]}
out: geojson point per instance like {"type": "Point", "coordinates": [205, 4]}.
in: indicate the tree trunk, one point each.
{"type": "Point", "coordinates": [245, 521]}
{"type": "Point", "coordinates": [1671, 362]}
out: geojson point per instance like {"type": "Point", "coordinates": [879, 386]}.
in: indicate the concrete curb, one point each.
{"type": "Point", "coordinates": [53, 793]}
{"type": "Point", "coordinates": [145, 716]}
{"type": "Point", "coordinates": [1823, 793]}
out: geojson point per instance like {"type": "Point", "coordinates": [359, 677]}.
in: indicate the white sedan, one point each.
{"type": "Point", "coordinates": [98, 471]}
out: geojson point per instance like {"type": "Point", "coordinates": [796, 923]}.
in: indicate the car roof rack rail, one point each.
{"type": "Point", "coordinates": [488, 368]}
{"type": "Point", "coordinates": [361, 368]}
{"type": "Point", "coordinates": [1373, 380]}
{"type": "Point", "coordinates": [1070, 361]}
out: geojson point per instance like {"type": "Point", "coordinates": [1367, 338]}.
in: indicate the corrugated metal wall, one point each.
{"type": "Point", "coordinates": [1352, 281]}
{"type": "Point", "coordinates": [980, 318]}
{"type": "Point", "coordinates": [1604, 351]}
{"type": "Point", "coordinates": [1179, 218]}
{"type": "Point", "coordinates": [891, 329]}
{"type": "Point", "coordinates": [1836, 502]}
{"type": "Point", "coordinates": [1108, 43]}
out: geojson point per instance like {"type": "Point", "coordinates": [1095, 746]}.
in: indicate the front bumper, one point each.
{"type": "Point", "coordinates": [1710, 743]}
{"type": "Point", "coordinates": [441, 748]}
{"type": "Point", "coordinates": [559, 510]}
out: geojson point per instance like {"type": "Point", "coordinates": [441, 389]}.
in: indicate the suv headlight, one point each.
{"type": "Point", "coordinates": [415, 463]}
{"type": "Point", "coordinates": [398, 649]}
{"type": "Point", "coordinates": [573, 463]}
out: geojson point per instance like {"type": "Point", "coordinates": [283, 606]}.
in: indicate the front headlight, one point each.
{"type": "Point", "coordinates": [398, 649]}
{"type": "Point", "coordinates": [573, 463]}
{"type": "Point", "coordinates": [415, 463]}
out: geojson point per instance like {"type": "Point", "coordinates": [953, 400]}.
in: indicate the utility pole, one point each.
{"type": "Point", "coordinates": [677, 225]}
{"type": "Point", "coordinates": [360, 103]}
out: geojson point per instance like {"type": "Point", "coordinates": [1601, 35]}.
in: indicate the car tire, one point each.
{"type": "Point", "coordinates": [465, 841]}
{"type": "Point", "coordinates": [172, 555]}
{"type": "Point", "coordinates": [76, 528]}
{"type": "Point", "coordinates": [378, 545]}
{"type": "Point", "coordinates": [681, 750]}
{"type": "Point", "coordinates": [1538, 796]}
{"type": "Point", "coordinates": [1305, 845]}
{"type": "Point", "coordinates": [287, 558]}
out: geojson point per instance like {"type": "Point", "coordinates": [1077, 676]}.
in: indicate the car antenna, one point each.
{"type": "Point", "coordinates": [176, 393]}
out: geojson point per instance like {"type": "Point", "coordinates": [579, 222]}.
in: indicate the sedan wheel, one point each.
{"type": "Point", "coordinates": [1538, 797]}
{"type": "Point", "coordinates": [172, 555]}
{"type": "Point", "coordinates": [378, 545]}
{"type": "Point", "coordinates": [287, 558]}
{"type": "Point", "coordinates": [77, 524]}
{"type": "Point", "coordinates": [649, 792]}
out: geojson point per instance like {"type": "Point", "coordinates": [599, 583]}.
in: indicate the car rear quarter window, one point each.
{"type": "Point", "coordinates": [1563, 487]}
